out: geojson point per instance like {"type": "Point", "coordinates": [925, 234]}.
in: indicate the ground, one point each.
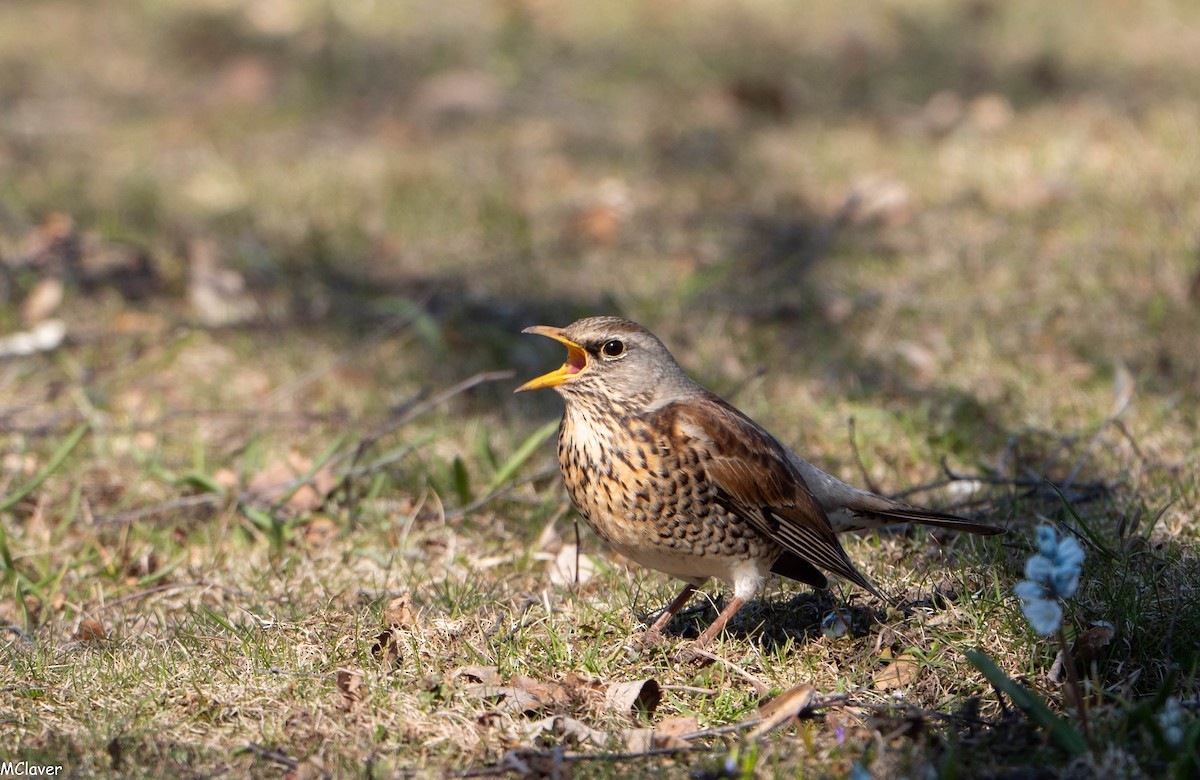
{"type": "Point", "coordinates": [269, 507]}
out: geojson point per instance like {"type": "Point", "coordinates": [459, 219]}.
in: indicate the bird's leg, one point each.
{"type": "Point", "coordinates": [654, 633]}
{"type": "Point", "coordinates": [715, 627]}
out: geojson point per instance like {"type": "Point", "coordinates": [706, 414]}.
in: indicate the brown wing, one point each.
{"type": "Point", "coordinates": [757, 482]}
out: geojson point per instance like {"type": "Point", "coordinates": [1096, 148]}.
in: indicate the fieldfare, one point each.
{"type": "Point", "coordinates": [674, 478]}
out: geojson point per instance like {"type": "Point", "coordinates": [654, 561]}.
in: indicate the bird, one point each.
{"type": "Point", "coordinates": [676, 479]}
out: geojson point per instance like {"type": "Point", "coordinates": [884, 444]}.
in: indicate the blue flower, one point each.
{"type": "Point", "coordinates": [1171, 722]}
{"type": "Point", "coordinates": [1051, 575]}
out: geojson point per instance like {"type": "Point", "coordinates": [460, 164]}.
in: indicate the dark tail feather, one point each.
{"type": "Point", "coordinates": [907, 514]}
{"type": "Point", "coordinates": [796, 568]}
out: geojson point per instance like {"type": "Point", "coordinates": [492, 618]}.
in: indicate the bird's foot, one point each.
{"type": "Point", "coordinates": [692, 656]}
{"type": "Point", "coordinates": [639, 645]}
{"type": "Point", "coordinates": [650, 639]}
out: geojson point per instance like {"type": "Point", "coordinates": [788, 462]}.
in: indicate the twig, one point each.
{"type": "Point", "coordinates": [186, 502]}
{"type": "Point", "coordinates": [477, 503]}
{"type": "Point", "coordinates": [275, 756]}
{"type": "Point", "coordinates": [690, 689]}
{"type": "Point", "coordinates": [759, 686]}
{"type": "Point", "coordinates": [862, 467]}
{"type": "Point", "coordinates": [141, 594]}
{"type": "Point", "coordinates": [408, 411]}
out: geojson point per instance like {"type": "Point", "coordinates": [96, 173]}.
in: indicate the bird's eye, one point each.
{"type": "Point", "coordinates": [613, 349]}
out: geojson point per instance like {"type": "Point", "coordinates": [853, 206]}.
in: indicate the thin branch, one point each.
{"type": "Point", "coordinates": [862, 467]}
{"type": "Point", "coordinates": [274, 756]}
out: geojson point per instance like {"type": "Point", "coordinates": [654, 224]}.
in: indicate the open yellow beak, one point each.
{"type": "Point", "coordinates": [576, 360]}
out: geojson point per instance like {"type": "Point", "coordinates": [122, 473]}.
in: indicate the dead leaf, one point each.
{"type": "Point", "coordinates": [398, 613]}
{"type": "Point", "coordinates": [1088, 648]}
{"type": "Point", "coordinates": [487, 675]}
{"type": "Point", "coordinates": [599, 225]}
{"type": "Point", "coordinates": [484, 675]}
{"type": "Point", "coordinates": [387, 646]}
{"type": "Point", "coordinates": [130, 321]}
{"type": "Point", "coordinates": [42, 301]}
{"type": "Point", "coordinates": [507, 698]}
{"type": "Point", "coordinates": [670, 733]}
{"type": "Point", "coordinates": [899, 673]}
{"type": "Point", "coordinates": [549, 692]}
{"type": "Point", "coordinates": [570, 567]}
{"type": "Point", "coordinates": [1092, 643]}
{"type": "Point", "coordinates": [549, 540]}
{"type": "Point", "coordinates": [217, 295]}
{"type": "Point", "coordinates": [633, 697]}
{"type": "Point", "coordinates": [90, 630]}
{"type": "Point", "coordinates": [678, 727]}
{"type": "Point", "coordinates": [281, 477]}
{"type": "Point", "coordinates": [782, 708]}
{"type": "Point", "coordinates": [638, 740]}
{"type": "Point", "coordinates": [350, 686]}
{"type": "Point", "coordinates": [320, 531]}
{"type": "Point", "coordinates": [226, 478]}
{"type": "Point", "coordinates": [566, 730]}
{"type": "Point", "coordinates": [53, 245]}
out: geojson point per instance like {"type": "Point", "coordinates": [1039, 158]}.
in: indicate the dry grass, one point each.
{"type": "Point", "coordinates": [972, 228]}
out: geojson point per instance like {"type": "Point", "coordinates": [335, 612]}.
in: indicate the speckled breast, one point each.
{"type": "Point", "coordinates": [644, 490]}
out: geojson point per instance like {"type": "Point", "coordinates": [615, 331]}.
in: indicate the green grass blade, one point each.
{"type": "Point", "coordinates": [56, 460]}
{"type": "Point", "coordinates": [521, 454]}
{"type": "Point", "coordinates": [1091, 535]}
{"type": "Point", "coordinates": [1060, 729]}
{"type": "Point", "coordinates": [329, 454]}
{"type": "Point", "coordinates": [462, 480]}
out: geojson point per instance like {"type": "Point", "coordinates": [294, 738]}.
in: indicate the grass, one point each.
{"type": "Point", "coordinates": [293, 227]}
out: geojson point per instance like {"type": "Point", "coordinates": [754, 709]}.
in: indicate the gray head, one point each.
{"type": "Point", "coordinates": [615, 359]}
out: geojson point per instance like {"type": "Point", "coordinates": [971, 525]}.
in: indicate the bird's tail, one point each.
{"type": "Point", "coordinates": [884, 512]}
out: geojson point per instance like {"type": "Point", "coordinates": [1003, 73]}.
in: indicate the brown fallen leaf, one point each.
{"type": "Point", "coordinates": [486, 675]}
{"type": "Point", "coordinates": [217, 295]}
{"type": "Point", "coordinates": [90, 630]}
{"type": "Point", "coordinates": [350, 686]}
{"type": "Point", "coordinates": [53, 245]}
{"type": "Point", "coordinates": [280, 479]}
{"type": "Point", "coordinates": [549, 540]}
{"type": "Point", "coordinates": [42, 301]}
{"type": "Point", "coordinates": [1088, 648]}
{"type": "Point", "coordinates": [320, 531]}
{"type": "Point", "coordinates": [899, 673]}
{"type": "Point", "coordinates": [398, 613]}
{"type": "Point", "coordinates": [549, 692]}
{"type": "Point", "coordinates": [658, 738]}
{"type": "Point", "coordinates": [782, 708]}
{"type": "Point", "coordinates": [633, 697]}
{"type": "Point", "coordinates": [507, 698]}
{"type": "Point", "coordinates": [566, 730]}
{"type": "Point", "coordinates": [678, 727]}
{"type": "Point", "coordinates": [638, 740]}
{"type": "Point", "coordinates": [1091, 644]}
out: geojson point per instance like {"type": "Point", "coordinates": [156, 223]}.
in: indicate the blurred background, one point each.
{"type": "Point", "coordinates": [263, 270]}
{"type": "Point", "coordinates": [957, 220]}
